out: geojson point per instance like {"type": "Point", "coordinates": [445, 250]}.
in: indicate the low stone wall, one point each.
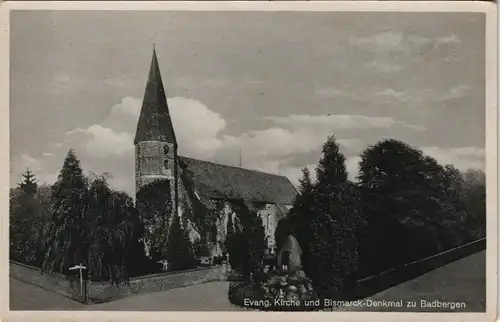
{"type": "Point", "coordinates": [64, 285]}
{"type": "Point", "coordinates": [98, 292]}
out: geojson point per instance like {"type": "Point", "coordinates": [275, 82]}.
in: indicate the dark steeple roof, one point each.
{"type": "Point", "coordinates": [154, 122]}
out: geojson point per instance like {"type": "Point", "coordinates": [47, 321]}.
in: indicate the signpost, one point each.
{"type": "Point", "coordinates": [79, 267]}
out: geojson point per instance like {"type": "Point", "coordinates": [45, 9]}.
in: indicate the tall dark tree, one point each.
{"type": "Point", "coordinates": [298, 221]}
{"type": "Point", "coordinates": [67, 243]}
{"type": "Point", "coordinates": [305, 183]}
{"type": "Point", "coordinates": [29, 215]}
{"type": "Point", "coordinates": [403, 205]}
{"type": "Point", "coordinates": [237, 246]}
{"type": "Point", "coordinates": [29, 185]}
{"type": "Point", "coordinates": [229, 233]}
{"type": "Point", "coordinates": [23, 228]}
{"type": "Point", "coordinates": [474, 196]}
{"type": "Point", "coordinates": [44, 213]}
{"type": "Point", "coordinates": [179, 251]}
{"type": "Point", "coordinates": [109, 231]}
{"type": "Point", "coordinates": [332, 248]}
{"type": "Point", "coordinates": [154, 204]}
{"type": "Point", "coordinates": [255, 243]}
{"type": "Point", "coordinates": [450, 222]}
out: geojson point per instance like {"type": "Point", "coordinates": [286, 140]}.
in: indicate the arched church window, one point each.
{"type": "Point", "coordinates": [165, 164]}
{"type": "Point", "coordinates": [166, 149]}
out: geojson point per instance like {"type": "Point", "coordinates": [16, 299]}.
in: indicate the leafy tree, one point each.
{"type": "Point", "coordinates": [451, 223]}
{"type": "Point", "coordinates": [474, 196]}
{"type": "Point", "coordinates": [29, 185]}
{"type": "Point", "coordinates": [23, 228]}
{"type": "Point", "coordinates": [29, 215]}
{"type": "Point", "coordinates": [405, 194]}
{"type": "Point", "coordinates": [25, 222]}
{"type": "Point", "coordinates": [155, 209]}
{"type": "Point", "coordinates": [179, 252]}
{"type": "Point", "coordinates": [332, 247]}
{"type": "Point", "coordinates": [44, 212]}
{"type": "Point", "coordinates": [67, 243]}
{"type": "Point", "coordinates": [108, 231]}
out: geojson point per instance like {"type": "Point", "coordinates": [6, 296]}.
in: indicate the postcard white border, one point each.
{"type": "Point", "coordinates": [396, 6]}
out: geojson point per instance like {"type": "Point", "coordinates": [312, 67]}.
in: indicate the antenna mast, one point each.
{"type": "Point", "coordinates": [239, 152]}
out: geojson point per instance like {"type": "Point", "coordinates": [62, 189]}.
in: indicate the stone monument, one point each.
{"type": "Point", "coordinates": [289, 282]}
{"type": "Point", "coordinates": [290, 255]}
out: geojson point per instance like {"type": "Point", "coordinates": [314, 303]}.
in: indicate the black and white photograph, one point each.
{"type": "Point", "coordinates": [251, 160]}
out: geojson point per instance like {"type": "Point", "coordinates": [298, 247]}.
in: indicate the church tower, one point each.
{"type": "Point", "coordinates": [155, 142]}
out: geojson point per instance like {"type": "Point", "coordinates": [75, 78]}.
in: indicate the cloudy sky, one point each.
{"type": "Point", "coordinates": [260, 81]}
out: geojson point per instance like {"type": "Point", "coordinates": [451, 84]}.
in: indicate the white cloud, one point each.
{"type": "Point", "coordinates": [103, 142]}
{"type": "Point", "coordinates": [42, 173]}
{"type": "Point", "coordinates": [27, 161]}
{"type": "Point", "coordinates": [295, 173]}
{"type": "Point", "coordinates": [352, 167]}
{"type": "Point", "coordinates": [334, 93]}
{"type": "Point", "coordinates": [198, 129]}
{"type": "Point", "coordinates": [108, 146]}
{"type": "Point", "coordinates": [463, 158]}
{"type": "Point", "coordinates": [396, 41]}
{"type": "Point", "coordinates": [333, 122]}
{"type": "Point", "coordinates": [129, 106]}
{"type": "Point", "coordinates": [390, 41]}
{"type": "Point", "coordinates": [383, 67]}
{"type": "Point", "coordinates": [422, 95]}
{"type": "Point", "coordinates": [451, 39]}
{"type": "Point", "coordinates": [386, 40]}
{"type": "Point", "coordinates": [455, 92]}
{"type": "Point", "coordinates": [389, 92]}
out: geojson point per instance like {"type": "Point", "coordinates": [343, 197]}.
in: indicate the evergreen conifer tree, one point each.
{"type": "Point", "coordinates": [300, 217]}
{"type": "Point", "coordinates": [237, 246]}
{"type": "Point", "coordinates": [67, 244]}
{"type": "Point", "coordinates": [179, 252]}
{"type": "Point", "coordinates": [251, 241]}
{"type": "Point", "coordinates": [332, 248]}
{"type": "Point", "coordinates": [29, 185]}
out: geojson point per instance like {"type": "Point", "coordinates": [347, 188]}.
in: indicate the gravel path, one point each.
{"type": "Point", "coordinates": [462, 281]}
{"type": "Point", "coordinates": [202, 297]}
{"type": "Point", "coordinates": [24, 296]}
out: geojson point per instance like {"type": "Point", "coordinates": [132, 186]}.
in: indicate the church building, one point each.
{"type": "Point", "coordinates": [198, 186]}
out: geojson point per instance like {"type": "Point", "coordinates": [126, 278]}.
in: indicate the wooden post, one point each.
{"type": "Point", "coordinates": [80, 268]}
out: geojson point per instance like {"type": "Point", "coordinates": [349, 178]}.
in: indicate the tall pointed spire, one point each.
{"type": "Point", "coordinates": [155, 123]}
